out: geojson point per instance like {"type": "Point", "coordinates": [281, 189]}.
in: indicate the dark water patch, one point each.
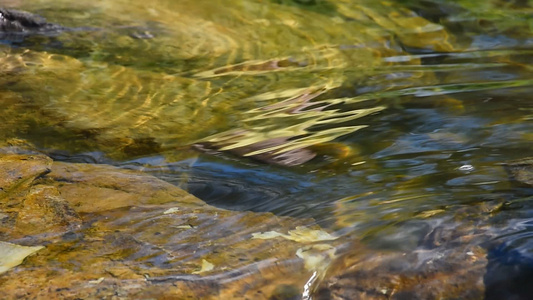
{"type": "Point", "coordinates": [510, 263]}
{"type": "Point", "coordinates": [319, 6]}
{"type": "Point", "coordinates": [86, 157]}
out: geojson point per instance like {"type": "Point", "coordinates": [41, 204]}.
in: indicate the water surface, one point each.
{"type": "Point", "coordinates": [387, 122]}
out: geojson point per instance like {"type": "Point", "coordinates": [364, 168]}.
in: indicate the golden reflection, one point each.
{"type": "Point", "coordinates": [276, 81]}
{"type": "Point", "coordinates": [283, 133]}
{"type": "Point", "coordinates": [254, 78]}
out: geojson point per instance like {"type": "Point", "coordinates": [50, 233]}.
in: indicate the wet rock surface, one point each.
{"type": "Point", "coordinates": [16, 24]}
{"type": "Point", "coordinates": [150, 98]}
{"type": "Point", "coordinates": [19, 171]}
{"type": "Point", "coordinates": [449, 262]}
{"type": "Point", "coordinates": [440, 273]}
{"type": "Point", "coordinates": [109, 232]}
{"type": "Point", "coordinates": [19, 21]}
{"type": "Point", "coordinates": [521, 171]}
{"type": "Point", "coordinates": [411, 77]}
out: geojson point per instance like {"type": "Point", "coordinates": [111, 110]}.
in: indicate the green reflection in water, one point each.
{"type": "Point", "coordinates": [383, 100]}
{"type": "Point", "coordinates": [174, 73]}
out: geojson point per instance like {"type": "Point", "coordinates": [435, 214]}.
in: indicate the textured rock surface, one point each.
{"type": "Point", "coordinates": [16, 24]}
{"type": "Point", "coordinates": [521, 170]}
{"type": "Point", "coordinates": [111, 232]}
{"type": "Point", "coordinates": [455, 273]}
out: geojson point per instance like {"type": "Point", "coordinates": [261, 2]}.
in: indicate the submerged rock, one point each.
{"type": "Point", "coordinates": [445, 259]}
{"type": "Point", "coordinates": [210, 81]}
{"type": "Point", "coordinates": [16, 24]}
{"type": "Point", "coordinates": [455, 273]}
{"type": "Point", "coordinates": [44, 210]}
{"type": "Point", "coordinates": [521, 171]}
{"type": "Point", "coordinates": [109, 188]}
{"type": "Point", "coordinates": [113, 232]}
{"type": "Point", "coordinates": [20, 21]}
{"type": "Point", "coordinates": [19, 171]}
{"type": "Point", "coordinates": [110, 232]}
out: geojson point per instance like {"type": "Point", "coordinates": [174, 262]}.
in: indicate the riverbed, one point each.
{"type": "Point", "coordinates": [387, 142]}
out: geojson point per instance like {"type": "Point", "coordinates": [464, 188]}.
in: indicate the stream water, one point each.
{"type": "Point", "coordinates": [387, 122]}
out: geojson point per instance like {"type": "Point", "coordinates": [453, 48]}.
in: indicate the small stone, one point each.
{"type": "Point", "coordinates": [12, 255]}
{"type": "Point", "coordinates": [97, 281]}
{"type": "Point", "coordinates": [171, 210]}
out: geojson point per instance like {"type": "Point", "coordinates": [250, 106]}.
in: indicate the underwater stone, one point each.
{"type": "Point", "coordinates": [521, 170]}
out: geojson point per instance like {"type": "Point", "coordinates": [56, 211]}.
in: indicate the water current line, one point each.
{"type": "Point", "coordinates": [307, 287]}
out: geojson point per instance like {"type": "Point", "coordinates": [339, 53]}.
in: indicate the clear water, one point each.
{"type": "Point", "coordinates": [409, 109]}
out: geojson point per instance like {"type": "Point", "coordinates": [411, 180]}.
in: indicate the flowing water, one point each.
{"type": "Point", "coordinates": [387, 122]}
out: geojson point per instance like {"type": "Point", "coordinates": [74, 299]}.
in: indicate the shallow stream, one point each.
{"type": "Point", "coordinates": [389, 123]}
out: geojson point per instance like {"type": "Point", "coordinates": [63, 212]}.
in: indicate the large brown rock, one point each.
{"type": "Point", "coordinates": [19, 171]}
{"type": "Point", "coordinates": [110, 232]}
{"type": "Point", "coordinates": [44, 210]}
{"type": "Point", "coordinates": [94, 188]}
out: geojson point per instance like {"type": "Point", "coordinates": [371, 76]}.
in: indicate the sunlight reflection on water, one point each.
{"type": "Point", "coordinates": [387, 123]}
